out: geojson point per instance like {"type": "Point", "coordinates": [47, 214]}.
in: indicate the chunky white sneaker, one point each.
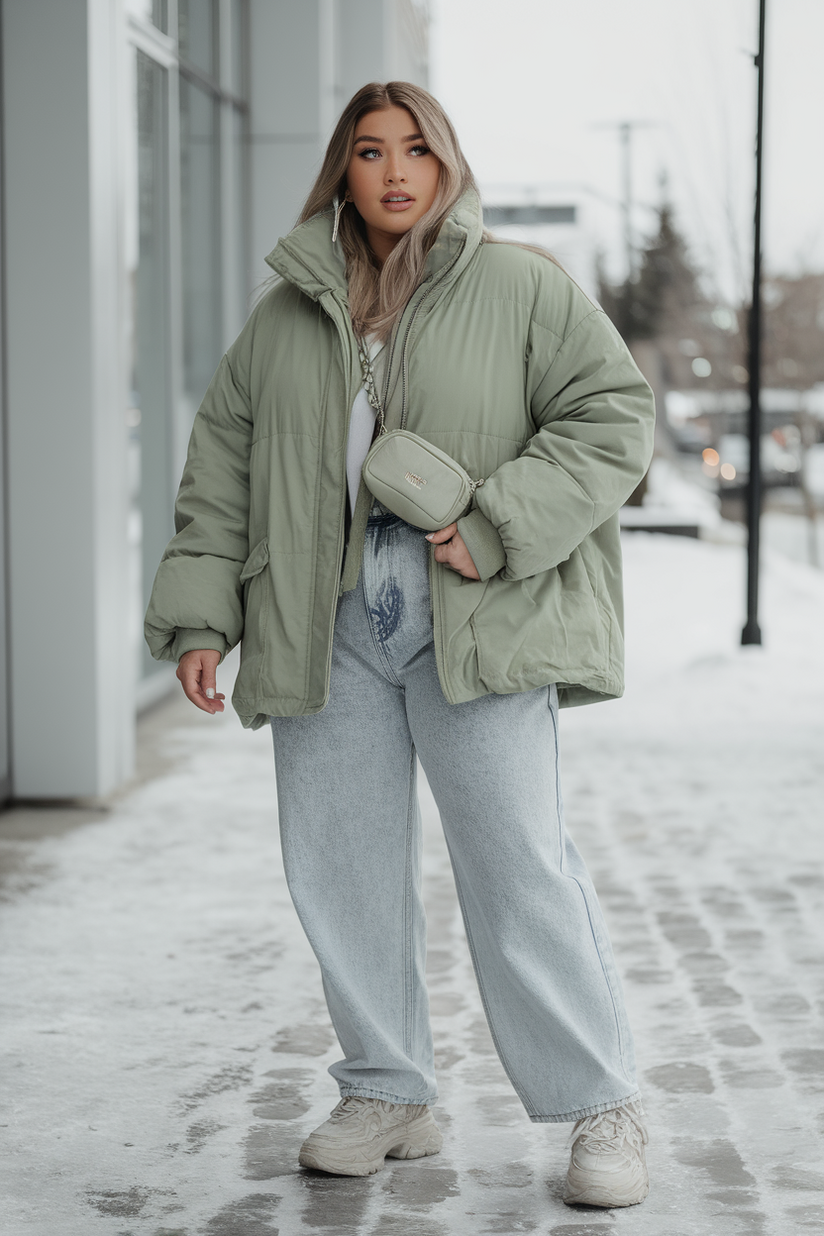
{"type": "Point", "coordinates": [360, 1133]}
{"type": "Point", "coordinates": [607, 1165]}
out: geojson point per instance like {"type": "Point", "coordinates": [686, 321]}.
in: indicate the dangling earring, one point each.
{"type": "Point", "coordinates": [338, 213]}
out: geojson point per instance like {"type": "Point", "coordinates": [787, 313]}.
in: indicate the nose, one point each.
{"type": "Point", "coordinates": [394, 171]}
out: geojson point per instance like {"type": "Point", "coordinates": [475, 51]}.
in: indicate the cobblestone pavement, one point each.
{"type": "Point", "coordinates": [166, 1037]}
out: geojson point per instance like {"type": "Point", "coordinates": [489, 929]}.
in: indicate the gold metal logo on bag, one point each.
{"type": "Point", "coordinates": [417, 481]}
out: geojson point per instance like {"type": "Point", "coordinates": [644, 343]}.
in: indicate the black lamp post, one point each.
{"type": "Point", "coordinates": [752, 631]}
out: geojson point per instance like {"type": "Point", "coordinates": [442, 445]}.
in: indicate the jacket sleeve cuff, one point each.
{"type": "Point", "coordinates": [192, 639]}
{"type": "Point", "coordinates": [484, 543]}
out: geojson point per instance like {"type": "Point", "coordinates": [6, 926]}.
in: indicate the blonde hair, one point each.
{"type": "Point", "coordinates": [378, 295]}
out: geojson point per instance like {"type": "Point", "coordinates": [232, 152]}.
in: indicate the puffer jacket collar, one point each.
{"type": "Point", "coordinates": [308, 259]}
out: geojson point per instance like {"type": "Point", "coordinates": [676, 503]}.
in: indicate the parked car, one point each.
{"type": "Point", "coordinates": [781, 456]}
{"type": "Point", "coordinates": [814, 471]}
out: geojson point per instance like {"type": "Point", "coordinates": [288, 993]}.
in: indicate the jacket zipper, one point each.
{"type": "Point", "coordinates": [434, 578]}
{"type": "Point", "coordinates": [344, 341]}
{"type": "Point", "coordinates": [404, 390]}
{"type": "Point", "coordinates": [409, 325]}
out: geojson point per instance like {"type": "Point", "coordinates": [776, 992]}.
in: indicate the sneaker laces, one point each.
{"type": "Point", "coordinates": [355, 1103]}
{"type": "Point", "coordinates": [605, 1131]}
{"type": "Point", "coordinates": [349, 1104]}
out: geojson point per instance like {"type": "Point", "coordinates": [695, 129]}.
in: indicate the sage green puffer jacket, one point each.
{"type": "Point", "coordinates": [500, 360]}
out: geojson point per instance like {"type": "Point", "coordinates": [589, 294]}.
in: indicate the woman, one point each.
{"type": "Point", "coordinates": [365, 642]}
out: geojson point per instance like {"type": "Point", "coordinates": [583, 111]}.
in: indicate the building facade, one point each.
{"type": "Point", "coordinates": [153, 153]}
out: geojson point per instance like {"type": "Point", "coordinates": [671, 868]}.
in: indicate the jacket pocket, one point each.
{"type": "Point", "coordinates": [546, 628]}
{"type": "Point", "coordinates": [257, 587]}
{"type": "Point", "coordinates": [256, 561]}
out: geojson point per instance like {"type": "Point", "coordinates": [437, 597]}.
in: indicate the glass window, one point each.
{"type": "Point", "coordinates": [238, 60]}
{"type": "Point", "coordinates": [201, 251]}
{"type": "Point", "coordinates": [201, 240]}
{"type": "Point", "coordinates": [197, 25]}
{"type": "Point", "coordinates": [154, 11]}
{"type": "Point", "coordinates": [5, 754]}
{"type": "Point", "coordinates": [239, 254]}
{"type": "Point", "coordinates": [151, 521]}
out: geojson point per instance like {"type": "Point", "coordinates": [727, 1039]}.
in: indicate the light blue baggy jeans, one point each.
{"type": "Point", "coordinates": [351, 836]}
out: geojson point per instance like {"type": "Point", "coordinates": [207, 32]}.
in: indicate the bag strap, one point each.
{"type": "Point", "coordinates": [375, 401]}
{"type": "Point", "coordinates": [371, 386]}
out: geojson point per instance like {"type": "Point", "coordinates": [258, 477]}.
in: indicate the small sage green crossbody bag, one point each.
{"type": "Point", "coordinates": [412, 478]}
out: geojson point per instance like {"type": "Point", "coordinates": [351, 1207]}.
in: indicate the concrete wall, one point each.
{"type": "Point", "coordinates": [71, 613]}
{"type": "Point", "coordinates": [71, 705]}
{"type": "Point", "coordinates": [307, 61]}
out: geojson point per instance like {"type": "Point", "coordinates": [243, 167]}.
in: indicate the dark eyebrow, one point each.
{"type": "Point", "coordinates": [414, 137]}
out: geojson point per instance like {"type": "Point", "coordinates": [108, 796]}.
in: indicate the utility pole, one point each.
{"type": "Point", "coordinates": [752, 631]}
{"type": "Point", "coordinates": [625, 130]}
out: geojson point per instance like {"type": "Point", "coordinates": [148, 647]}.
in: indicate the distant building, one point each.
{"type": "Point", "coordinates": [153, 153]}
{"type": "Point", "coordinates": [537, 216]}
{"type": "Point", "coordinates": [529, 216]}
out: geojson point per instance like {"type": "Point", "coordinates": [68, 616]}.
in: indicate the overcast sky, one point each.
{"type": "Point", "coordinates": [528, 84]}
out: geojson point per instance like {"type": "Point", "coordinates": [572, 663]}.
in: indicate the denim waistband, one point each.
{"type": "Point", "coordinates": [381, 517]}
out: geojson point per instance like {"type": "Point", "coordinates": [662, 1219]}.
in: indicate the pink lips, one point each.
{"type": "Point", "coordinates": [402, 205]}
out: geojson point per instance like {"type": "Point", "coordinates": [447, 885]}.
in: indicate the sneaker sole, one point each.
{"type": "Point", "coordinates": [422, 1137]}
{"type": "Point", "coordinates": [584, 1192]}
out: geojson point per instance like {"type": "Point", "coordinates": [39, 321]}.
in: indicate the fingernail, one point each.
{"type": "Point", "coordinates": [210, 693]}
{"type": "Point", "coordinates": [429, 536]}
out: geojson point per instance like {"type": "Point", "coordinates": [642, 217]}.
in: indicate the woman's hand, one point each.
{"type": "Point", "coordinates": [450, 549]}
{"type": "Point", "coordinates": [196, 671]}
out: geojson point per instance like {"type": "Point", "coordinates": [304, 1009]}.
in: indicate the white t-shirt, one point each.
{"type": "Point", "coordinates": [361, 427]}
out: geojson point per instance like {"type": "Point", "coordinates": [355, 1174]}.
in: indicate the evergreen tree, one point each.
{"type": "Point", "coordinates": [666, 293]}
{"type": "Point", "coordinates": [666, 304]}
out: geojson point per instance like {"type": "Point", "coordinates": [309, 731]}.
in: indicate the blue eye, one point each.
{"type": "Point", "coordinates": [368, 153]}
{"type": "Point", "coordinates": [420, 150]}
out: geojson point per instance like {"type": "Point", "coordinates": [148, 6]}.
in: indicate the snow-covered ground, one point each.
{"type": "Point", "coordinates": [164, 1033]}
{"type": "Point", "coordinates": [794, 536]}
{"type": "Point", "coordinates": [673, 498]}
{"type": "Point", "coordinates": [678, 496]}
